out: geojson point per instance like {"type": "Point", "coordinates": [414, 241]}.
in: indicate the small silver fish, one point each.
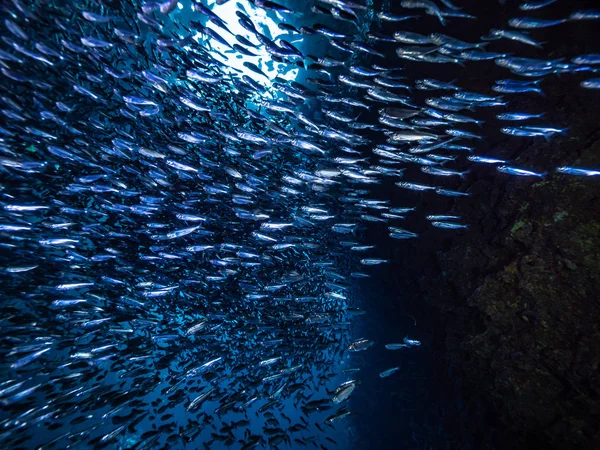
{"type": "Point", "coordinates": [449, 225]}
{"type": "Point", "coordinates": [396, 346]}
{"type": "Point", "coordinates": [411, 342]}
{"type": "Point", "coordinates": [388, 372]}
{"type": "Point", "coordinates": [519, 172]}
{"type": "Point", "coordinates": [578, 171]}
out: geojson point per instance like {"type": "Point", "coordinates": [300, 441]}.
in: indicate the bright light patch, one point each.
{"type": "Point", "coordinates": [234, 59]}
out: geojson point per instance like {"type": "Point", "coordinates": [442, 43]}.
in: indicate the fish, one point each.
{"type": "Point", "coordinates": [360, 345]}
{"type": "Point", "coordinates": [592, 83]}
{"type": "Point", "coordinates": [343, 391]}
{"type": "Point", "coordinates": [512, 35]}
{"type": "Point", "coordinates": [577, 171]}
{"type": "Point", "coordinates": [441, 217]}
{"type": "Point", "coordinates": [373, 261]}
{"type": "Point", "coordinates": [530, 22]}
{"type": "Point", "coordinates": [29, 358]}
{"type": "Point", "coordinates": [530, 131]}
{"type": "Point", "coordinates": [338, 415]}
{"type": "Point", "coordinates": [517, 116]}
{"type": "Point", "coordinates": [532, 6]}
{"type": "Point", "coordinates": [396, 346]}
{"type": "Point", "coordinates": [449, 225]}
{"type": "Point", "coordinates": [191, 190]}
{"type": "Point", "coordinates": [512, 89]}
{"type": "Point", "coordinates": [389, 17]}
{"type": "Point", "coordinates": [486, 159]}
{"type": "Point", "coordinates": [411, 342]}
{"type": "Point", "coordinates": [414, 186]}
{"type": "Point", "coordinates": [519, 172]}
{"type": "Point", "coordinates": [586, 14]}
{"type": "Point", "coordinates": [590, 59]}
{"type": "Point", "coordinates": [388, 372]}
{"type": "Point", "coordinates": [430, 8]}
{"type": "Point", "coordinates": [442, 172]}
{"type": "Point", "coordinates": [20, 269]}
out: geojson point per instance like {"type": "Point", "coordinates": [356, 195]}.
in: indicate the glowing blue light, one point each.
{"type": "Point", "coordinates": [232, 59]}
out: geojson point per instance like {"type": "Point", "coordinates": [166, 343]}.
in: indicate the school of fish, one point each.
{"type": "Point", "coordinates": [179, 237]}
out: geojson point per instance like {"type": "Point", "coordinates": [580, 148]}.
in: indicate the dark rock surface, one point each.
{"type": "Point", "coordinates": [520, 293]}
{"type": "Point", "coordinates": [516, 298]}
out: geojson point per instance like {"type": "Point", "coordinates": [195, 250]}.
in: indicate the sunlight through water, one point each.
{"type": "Point", "coordinates": [233, 59]}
